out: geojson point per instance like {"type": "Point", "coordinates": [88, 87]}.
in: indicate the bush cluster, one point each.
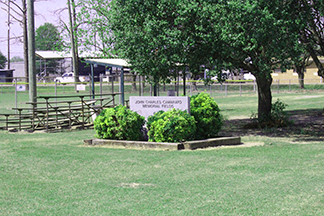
{"type": "Point", "coordinates": [173, 125]}
{"type": "Point", "coordinates": [207, 114]}
{"type": "Point", "coordinates": [119, 123]}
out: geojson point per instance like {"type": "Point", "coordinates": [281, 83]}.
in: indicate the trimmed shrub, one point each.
{"type": "Point", "coordinates": [119, 123]}
{"type": "Point", "coordinates": [207, 115]}
{"type": "Point", "coordinates": [171, 126]}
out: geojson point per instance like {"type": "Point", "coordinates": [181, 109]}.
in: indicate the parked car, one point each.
{"type": "Point", "coordinates": [248, 76]}
{"type": "Point", "coordinates": [69, 78]}
{"type": "Point", "coordinates": [105, 79]}
{"type": "Point", "coordinates": [224, 77]}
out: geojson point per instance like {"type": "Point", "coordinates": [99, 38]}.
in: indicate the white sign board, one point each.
{"type": "Point", "coordinates": [147, 106]}
{"type": "Point", "coordinates": [81, 87]}
{"type": "Point", "coordinates": [21, 87]}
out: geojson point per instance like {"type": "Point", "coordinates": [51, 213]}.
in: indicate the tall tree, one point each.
{"type": "Point", "coordinates": [94, 30]}
{"type": "Point", "coordinates": [70, 30]}
{"type": "Point", "coordinates": [159, 38]}
{"type": "Point", "coordinates": [3, 61]}
{"type": "Point", "coordinates": [253, 35]}
{"type": "Point", "coordinates": [257, 36]}
{"type": "Point", "coordinates": [47, 37]}
{"type": "Point", "coordinates": [18, 13]}
{"type": "Point", "coordinates": [300, 66]}
{"type": "Point", "coordinates": [16, 59]}
{"type": "Point", "coordinates": [310, 14]}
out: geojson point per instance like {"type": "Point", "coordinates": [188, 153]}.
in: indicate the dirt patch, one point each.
{"type": "Point", "coordinates": [308, 126]}
{"type": "Point", "coordinates": [312, 96]}
{"type": "Point", "coordinates": [135, 185]}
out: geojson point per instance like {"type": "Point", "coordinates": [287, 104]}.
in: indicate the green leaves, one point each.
{"type": "Point", "coordinates": [171, 126]}
{"type": "Point", "coordinates": [3, 61]}
{"type": "Point", "coordinates": [207, 114]}
{"type": "Point", "coordinates": [119, 123]}
{"type": "Point", "coordinates": [47, 37]}
{"type": "Point", "coordinates": [161, 38]}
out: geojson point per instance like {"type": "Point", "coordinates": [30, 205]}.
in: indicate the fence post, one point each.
{"type": "Point", "coordinates": [289, 85]}
{"type": "Point", "coordinates": [139, 86]}
{"type": "Point", "coordinates": [16, 94]}
{"type": "Point", "coordinates": [240, 89]}
{"type": "Point", "coordinates": [90, 87]}
{"type": "Point", "coordinates": [82, 110]}
{"type": "Point", "coordinates": [278, 86]}
{"type": "Point", "coordinates": [112, 84]}
{"type": "Point", "coordinates": [47, 113]}
{"type": "Point", "coordinates": [210, 89]}
{"type": "Point", "coordinates": [143, 85]}
{"type": "Point", "coordinates": [225, 89]}
{"type": "Point", "coordinates": [101, 84]}
{"type": "Point", "coordinates": [55, 91]}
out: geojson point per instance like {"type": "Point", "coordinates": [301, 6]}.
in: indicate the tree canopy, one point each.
{"type": "Point", "coordinates": [47, 37]}
{"type": "Point", "coordinates": [310, 15]}
{"type": "Point", "coordinates": [160, 37]}
{"type": "Point", "coordinates": [16, 59]}
{"type": "Point", "coordinates": [3, 61]}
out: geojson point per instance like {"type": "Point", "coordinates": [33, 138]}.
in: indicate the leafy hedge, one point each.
{"type": "Point", "coordinates": [119, 123]}
{"type": "Point", "coordinates": [207, 114]}
{"type": "Point", "coordinates": [174, 125]}
{"type": "Point", "coordinates": [171, 126]}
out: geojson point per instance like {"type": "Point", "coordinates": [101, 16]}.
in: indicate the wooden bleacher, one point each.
{"type": "Point", "coordinates": [58, 112]}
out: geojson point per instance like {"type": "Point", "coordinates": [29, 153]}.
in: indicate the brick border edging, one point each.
{"type": "Point", "coordinates": [189, 145]}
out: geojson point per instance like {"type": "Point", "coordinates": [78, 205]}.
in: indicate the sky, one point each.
{"type": "Point", "coordinates": [44, 11]}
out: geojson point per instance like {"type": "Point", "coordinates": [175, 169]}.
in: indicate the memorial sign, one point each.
{"type": "Point", "coordinates": [147, 106]}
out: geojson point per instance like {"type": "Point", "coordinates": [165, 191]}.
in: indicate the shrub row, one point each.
{"type": "Point", "coordinates": [173, 125]}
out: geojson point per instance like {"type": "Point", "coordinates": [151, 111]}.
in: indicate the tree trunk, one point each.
{"type": "Point", "coordinates": [184, 82]}
{"type": "Point", "coordinates": [155, 86]}
{"type": "Point", "coordinates": [75, 34]}
{"type": "Point", "coordinates": [301, 76]}
{"type": "Point", "coordinates": [315, 58]}
{"type": "Point", "coordinates": [264, 96]}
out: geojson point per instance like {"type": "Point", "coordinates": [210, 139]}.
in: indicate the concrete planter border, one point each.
{"type": "Point", "coordinates": [189, 145]}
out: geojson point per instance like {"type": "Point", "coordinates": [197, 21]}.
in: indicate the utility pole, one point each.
{"type": "Point", "coordinates": [74, 50]}
{"type": "Point", "coordinates": [31, 51]}
{"type": "Point", "coordinates": [8, 65]}
{"type": "Point", "coordinates": [24, 23]}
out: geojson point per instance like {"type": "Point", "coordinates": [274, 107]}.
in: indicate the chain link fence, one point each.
{"type": "Point", "coordinates": [18, 87]}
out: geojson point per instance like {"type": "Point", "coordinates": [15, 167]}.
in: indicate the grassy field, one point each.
{"type": "Point", "coordinates": [54, 174]}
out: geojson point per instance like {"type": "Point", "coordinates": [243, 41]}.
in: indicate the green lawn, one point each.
{"type": "Point", "coordinates": [54, 174]}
